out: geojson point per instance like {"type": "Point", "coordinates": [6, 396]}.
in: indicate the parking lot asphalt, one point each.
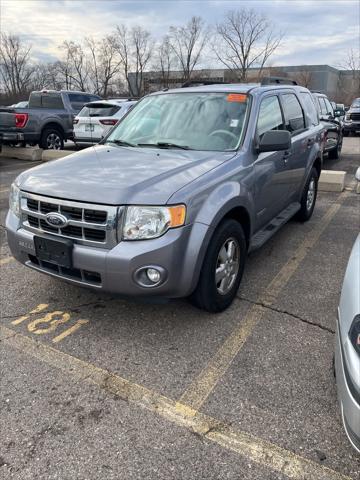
{"type": "Point", "coordinates": [98, 387]}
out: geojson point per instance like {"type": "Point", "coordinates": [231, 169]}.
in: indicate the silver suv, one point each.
{"type": "Point", "coordinates": [171, 201]}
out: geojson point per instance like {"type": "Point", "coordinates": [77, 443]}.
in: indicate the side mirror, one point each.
{"type": "Point", "coordinates": [275, 140]}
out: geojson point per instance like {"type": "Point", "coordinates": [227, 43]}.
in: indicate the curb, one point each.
{"type": "Point", "coordinates": [48, 155]}
{"type": "Point", "coordinates": [31, 154]}
{"type": "Point", "coordinates": [332, 181]}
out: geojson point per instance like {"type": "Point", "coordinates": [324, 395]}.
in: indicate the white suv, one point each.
{"type": "Point", "coordinates": [95, 119]}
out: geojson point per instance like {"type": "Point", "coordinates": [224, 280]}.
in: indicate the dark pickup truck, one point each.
{"type": "Point", "coordinates": [48, 120]}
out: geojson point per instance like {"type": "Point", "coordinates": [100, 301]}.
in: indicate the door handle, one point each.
{"type": "Point", "coordinates": [310, 141]}
{"type": "Point", "coordinates": [286, 156]}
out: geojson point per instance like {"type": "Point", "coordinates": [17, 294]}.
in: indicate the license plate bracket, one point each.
{"type": "Point", "coordinates": [89, 127]}
{"type": "Point", "coordinates": [58, 252]}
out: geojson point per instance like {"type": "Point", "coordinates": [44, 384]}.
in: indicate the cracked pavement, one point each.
{"type": "Point", "coordinates": [279, 387]}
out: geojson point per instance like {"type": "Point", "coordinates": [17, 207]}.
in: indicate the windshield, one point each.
{"type": "Point", "coordinates": [356, 103]}
{"type": "Point", "coordinates": [198, 121]}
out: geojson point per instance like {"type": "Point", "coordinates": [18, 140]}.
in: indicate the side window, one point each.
{"type": "Point", "coordinates": [270, 117]}
{"type": "Point", "coordinates": [322, 106]}
{"type": "Point", "coordinates": [294, 117]}
{"type": "Point", "coordinates": [329, 108]}
{"type": "Point", "coordinates": [52, 101]}
{"type": "Point", "coordinates": [309, 108]}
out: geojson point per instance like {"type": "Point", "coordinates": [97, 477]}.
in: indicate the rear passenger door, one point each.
{"type": "Point", "coordinates": [271, 187]}
{"type": "Point", "coordinates": [301, 139]}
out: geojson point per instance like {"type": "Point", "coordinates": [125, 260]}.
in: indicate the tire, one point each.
{"type": "Point", "coordinates": [212, 296]}
{"type": "Point", "coordinates": [307, 200]}
{"type": "Point", "coordinates": [346, 133]}
{"type": "Point", "coordinates": [334, 154]}
{"type": "Point", "coordinates": [52, 139]}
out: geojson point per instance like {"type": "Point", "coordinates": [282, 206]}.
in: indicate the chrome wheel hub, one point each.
{"type": "Point", "coordinates": [227, 266]}
{"type": "Point", "coordinates": [53, 142]}
{"type": "Point", "coordinates": [310, 194]}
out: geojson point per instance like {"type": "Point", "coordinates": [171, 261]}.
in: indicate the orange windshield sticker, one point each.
{"type": "Point", "coordinates": [236, 97]}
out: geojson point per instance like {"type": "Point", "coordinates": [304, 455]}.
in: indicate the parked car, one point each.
{"type": "Point", "coordinates": [333, 127]}
{"type": "Point", "coordinates": [340, 108]}
{"type": "Point", "coordinates": [352, 118]}
{"type": "Point", "coordinates": [171, 201]}
{"type": "Point", "coordinates": [48, 120]}
{"type": "Point", "coordinates": [347, 349]}
{"type": "Point", "coordinates": [23, 104]}
{"type": "Point", "coordinates": [95, 119]}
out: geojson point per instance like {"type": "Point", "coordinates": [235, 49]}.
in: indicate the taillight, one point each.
{"type": "Point", "coordinates": [354, 333]}
{"type": "Point", "coordinates": [75, 121]}
{"type": "Point", "coordinates": [21, 119]}
{"type": "Point", "coordinates": [108, 121]}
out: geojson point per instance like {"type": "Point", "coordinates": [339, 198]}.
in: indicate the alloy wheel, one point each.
{"type": "Point", "coordinates": [227, 266]}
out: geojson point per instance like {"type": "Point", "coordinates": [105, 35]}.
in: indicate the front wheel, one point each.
{"type": "Point", "coordinates": [222, 269]}
{"type": "Point", "coordinates": [308, 198]}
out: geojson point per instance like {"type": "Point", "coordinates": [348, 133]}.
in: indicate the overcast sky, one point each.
{"type": "Point", "coordinates": [316, 32]}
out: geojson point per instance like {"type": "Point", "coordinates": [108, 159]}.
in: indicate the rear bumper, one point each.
{"type": "Point", "coordinates": [12, 136]}
{"type": "Point", "coordinates": [176, 253]}
{"type": "Point", "coordinates": [92, 140]}
{"type": "Point", "coordinates": [350, 406]}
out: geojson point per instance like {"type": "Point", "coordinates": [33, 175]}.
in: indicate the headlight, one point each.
{"type": "Point", "coordinates": [151, 222]}
{"type": "Point", "coordinates": [14, 199]}
{"type": "Point", "coordinates": [354, 333]}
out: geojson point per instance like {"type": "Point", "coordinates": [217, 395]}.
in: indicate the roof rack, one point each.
{"type": "Point", "coordinates": [277, 81]}
{"type": "Point", "coordinates": [194, 83]}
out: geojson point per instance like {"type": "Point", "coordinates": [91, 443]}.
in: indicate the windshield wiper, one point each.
{"type": "Point", "coordinates": [164, 145]}
{"type": "Point", "coordinates": [122, 143]}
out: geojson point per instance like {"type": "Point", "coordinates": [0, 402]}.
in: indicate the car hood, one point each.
{"type": "Point", "coordinates": [119, 175]}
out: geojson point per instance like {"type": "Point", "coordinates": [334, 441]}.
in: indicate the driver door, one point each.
{"type": "Point", "coordinates": [270, 168]}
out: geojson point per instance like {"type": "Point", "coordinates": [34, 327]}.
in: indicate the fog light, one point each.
{"type": "Point", "coordinates": [153, 275]}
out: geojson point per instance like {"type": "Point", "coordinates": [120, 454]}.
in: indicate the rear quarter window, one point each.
{"type": "Point", "coordinates": [52, 101]}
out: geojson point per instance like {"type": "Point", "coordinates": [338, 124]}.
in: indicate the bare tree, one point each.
{"type": "Point", "coordinates": [142, 51]}
{"type": "Point", "coordinates": [134, 48]}
{"type": "Point", "coordinates": [304, 77]}
{"type": "Point", "coordinates": [104, 63]}
{"type": "Point", "coordinates": [16, 69]}
{"type": "Point", "coordinates": [188, 43]}
{"type": "Point", "coordinates": [75, 68]}
{"type": "Point", "coordinates": [164, 60]}
{"type": "Point", "coordinates": [245, 39]}
{"type": "Point", "coordinates": [123, 48]}
{"type": "Point", "coordinates": [352, 61]}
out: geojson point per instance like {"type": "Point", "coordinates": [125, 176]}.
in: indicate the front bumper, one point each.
{"type": "Point", "coordinates": [178, 253]}
{"type": "Point", "coordinates": [350, 406]}
{"type": "Point", "coordinates": [351, 127]}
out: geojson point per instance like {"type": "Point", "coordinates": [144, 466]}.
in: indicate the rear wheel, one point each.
{"type": "Point", "coordinates": [346, 133]}
{"type": "Point", "coordinates": [308, 198]}
{"type": "Point", "coordinates": [52, 139]}
{"type": "Point", "coordinates": [222, 268]}
{"type": "Point", "coordinates": [334, 154]}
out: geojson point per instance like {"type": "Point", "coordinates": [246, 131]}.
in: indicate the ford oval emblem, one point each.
{"type": "Point", "coordinates": [56, 219]}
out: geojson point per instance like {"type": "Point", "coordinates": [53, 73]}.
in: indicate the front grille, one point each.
{"type": "Point", "coordinates": [355, 116]}
{"type": "Point", "coordinates": [83, 276]}
{"type": "Point", "coordinates": [86, 223]}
